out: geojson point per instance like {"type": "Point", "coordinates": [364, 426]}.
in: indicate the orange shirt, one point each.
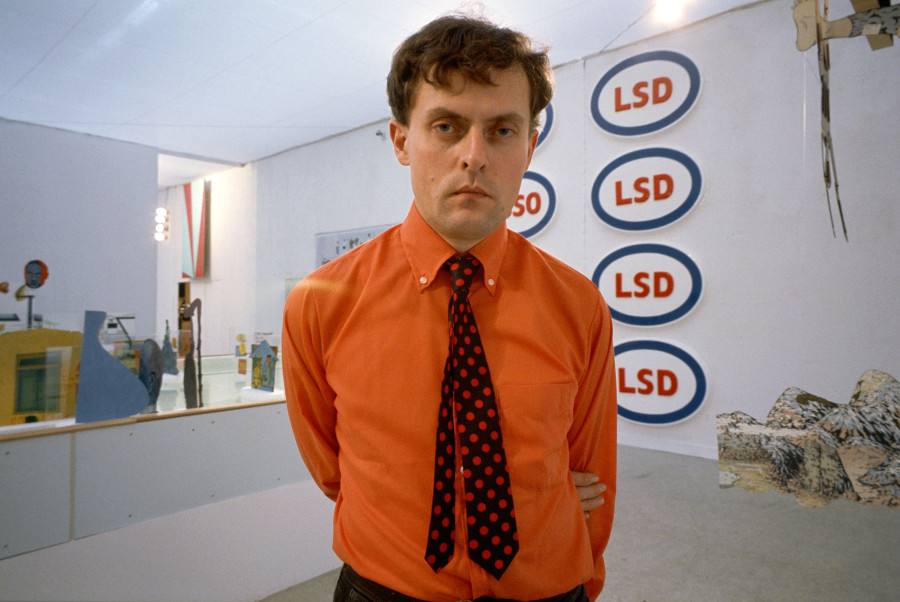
{"type": "Point", "coordinates": [364, 343]}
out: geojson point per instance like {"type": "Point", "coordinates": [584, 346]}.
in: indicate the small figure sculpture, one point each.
{"type": "Point", "coordinates": [170, 365]}
{"type": "Point", "coordinates": [150, 371]}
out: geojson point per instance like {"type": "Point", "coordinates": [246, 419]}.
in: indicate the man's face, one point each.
{"type": "Point", "coordinates": [467, 148]}
{"type": "Point", "coordinates": [34, 272]}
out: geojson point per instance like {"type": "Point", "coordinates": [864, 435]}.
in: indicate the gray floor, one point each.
{"type": "Point", "coordinates": [677, 536]}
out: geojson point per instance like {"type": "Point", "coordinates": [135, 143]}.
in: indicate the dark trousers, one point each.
{"type": "Point", "coordinates": [352, 587]}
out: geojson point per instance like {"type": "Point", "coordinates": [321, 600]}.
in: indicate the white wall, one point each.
{"type": "Point", "coordinates": [785, 303]}
{"type": "Point", "coordinates": [84, 206]}
{"type": "Point", "coordinates": [263, 220]}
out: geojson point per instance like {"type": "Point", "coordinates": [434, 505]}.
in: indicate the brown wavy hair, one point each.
{"type": "Point", "coordinates": [472, 47]}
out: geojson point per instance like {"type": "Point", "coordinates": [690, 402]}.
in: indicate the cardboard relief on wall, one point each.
{"type": "Point", "coordinates": [818, 450]}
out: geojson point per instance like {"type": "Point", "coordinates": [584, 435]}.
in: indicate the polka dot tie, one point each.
{"type": "Point", "coordinates": [469, 427]}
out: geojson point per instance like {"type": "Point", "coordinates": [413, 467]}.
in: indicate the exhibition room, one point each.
{"type": "Point", "coordinates": [723, 172]}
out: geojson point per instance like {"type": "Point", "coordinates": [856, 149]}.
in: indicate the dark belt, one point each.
{"type": "Point", "coordinates": [380, 593]}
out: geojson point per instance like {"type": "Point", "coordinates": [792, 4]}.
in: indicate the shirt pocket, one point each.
{"type": "Point", "coordinates": [535, 419]}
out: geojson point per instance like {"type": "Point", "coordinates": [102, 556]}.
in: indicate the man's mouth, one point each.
{"type": "Point", "coordinates": [470, 191]}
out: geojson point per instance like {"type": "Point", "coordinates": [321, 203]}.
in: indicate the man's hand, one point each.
{"type": "Point", "coordinates": [590, 490]}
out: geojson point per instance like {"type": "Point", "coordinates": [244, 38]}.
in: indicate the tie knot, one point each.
{"type": "Point", "coordinates": [462, 271]}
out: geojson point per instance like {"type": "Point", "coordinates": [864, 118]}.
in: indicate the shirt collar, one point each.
{"type": "Point", "coordinates": [426, 251]}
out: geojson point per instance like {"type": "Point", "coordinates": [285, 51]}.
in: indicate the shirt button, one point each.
{"type": "Point", "coordinates": [491, 281]}
{"type": "Point", "coordinates": [423, 279]}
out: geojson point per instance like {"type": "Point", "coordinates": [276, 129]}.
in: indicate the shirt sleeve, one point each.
{"type": "Point", "coordinates": [592, 437]}
{"type": "Point", "coordinates": [310, 400]}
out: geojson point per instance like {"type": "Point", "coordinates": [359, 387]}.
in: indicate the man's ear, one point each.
{"type": "Point", "coordinates": [532, 144]}
{"type": "Point", "coordinates": [399, 135]}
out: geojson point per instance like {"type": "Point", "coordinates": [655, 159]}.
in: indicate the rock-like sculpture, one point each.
{"type": "Point", "coordinates": [819, 450]}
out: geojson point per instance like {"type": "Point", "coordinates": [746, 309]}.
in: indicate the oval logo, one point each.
{"type": "Point", "coordinates": [648, 284]}
{"type": "Point", "coordinates": [646, 189]}
{"type": "Point", "coordinates": [546, 121]}
{"type": "Point", "coordinates": [658, 383]}
{"type": "Point", "coordinates": [645, 93]}
{"type": "Point", "coordinates": [534, 207]}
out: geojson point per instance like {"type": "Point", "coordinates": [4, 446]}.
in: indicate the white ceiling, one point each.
{"type": "Point", "coordinates": [214, 83]}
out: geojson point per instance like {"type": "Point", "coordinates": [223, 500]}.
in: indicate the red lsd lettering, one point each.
{"type": "Point", "coordinates": [663, 284]}
{"type": "Point", "coordinates": [645, 377]}
{"type": "Point", "coordinates": [662, 90]}
{"type": "Point", "coordinates": [663, 186]}
{"type": "Point", "coordinates": [642, 97]}
{"type": "Point", "coordinates": [619, 291]}
{"type": "Point", "coordinates": [620, 106]}
{"type": "Point", "coordinates": [640, 279]}
{"type": "Point", "coordinates": [623, 388]}
{"type": "Point", "coordinates": [661, 385]}
{"type": "Point", "coordinates": [640, 186]}
{"type": "Point", "coordinates": [519, 208]}
{"type": "Point", "coordinates": [620, 200]}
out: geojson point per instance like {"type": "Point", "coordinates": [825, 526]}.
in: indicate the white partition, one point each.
{"type": "Point", "coordinates": [35, 493]}
{"type": "Point", "coordinates": [130, 473]}
{"type": "Point", "coordinates": [84, 481]}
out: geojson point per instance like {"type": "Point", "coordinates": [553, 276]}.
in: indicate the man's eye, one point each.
{"type": "Point", "coordinates": [444, 128]}
{"type": "Point", "coordinates": [505, 132]}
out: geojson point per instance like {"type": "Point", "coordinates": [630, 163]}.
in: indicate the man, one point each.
{"type": "Point", "coordinates": [454, 472]}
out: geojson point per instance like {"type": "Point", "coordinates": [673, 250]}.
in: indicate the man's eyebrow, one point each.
{"type": "Point", "coordinates": [444, 113]}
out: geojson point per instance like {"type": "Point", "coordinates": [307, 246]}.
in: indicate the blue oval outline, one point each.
{"type": "Point", "coordinates": [690, 407]}
{"type": "Point", "coordinates": [545, 131]}
{"type": "Point", "coordinates": [551, 201]}
{"type": "Point", "coordinates": [673, 216]}
{"type": "Point", "coordinates": [638, 130]}
{"type": "Point", "coordinates": [676, 254]}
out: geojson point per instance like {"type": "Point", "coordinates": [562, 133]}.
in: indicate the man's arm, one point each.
{"type": "Point", "coordinates": [310, 401]}
{"type": "Point", "coordinates": [592, 440]}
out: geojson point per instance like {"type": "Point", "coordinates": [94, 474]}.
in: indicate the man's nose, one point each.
{"type": "Point", "coordinates": [474, 151]}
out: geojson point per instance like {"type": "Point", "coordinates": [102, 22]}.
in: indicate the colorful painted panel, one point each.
{"type": "Point", "coordinates": [197, 196]}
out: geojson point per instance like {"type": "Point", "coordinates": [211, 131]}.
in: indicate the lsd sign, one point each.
{"type": "Point", "coordinates": [646, 189]}
{"type": "Point", "coordinates": [534, 206]}
{"type": "Point", "coordinates": [645, 93]}
{"type": "Point", "coordinates": [658, 383]}
{"type": "Point", "coordinates": [648, 284]}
